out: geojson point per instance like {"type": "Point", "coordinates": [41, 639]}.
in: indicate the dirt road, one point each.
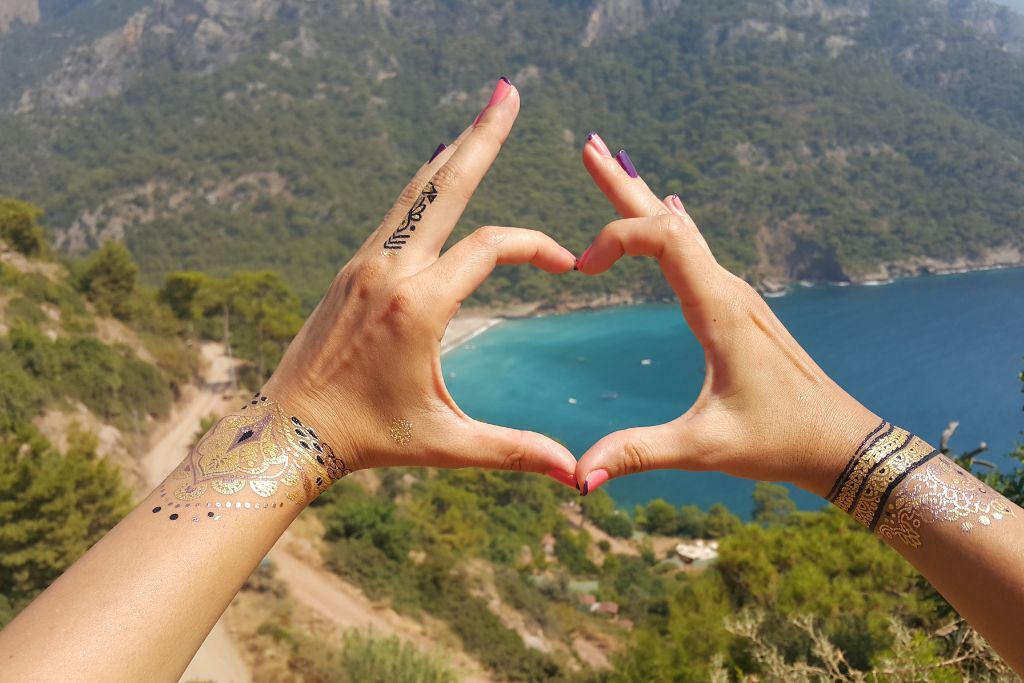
{"type": "Point", "coordinates": [347, 607]}
{"type": "Point", "coordinates": [218, 659]}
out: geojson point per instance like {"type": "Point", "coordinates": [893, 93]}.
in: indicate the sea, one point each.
{"type": "Point", "coordinates": [921, 352]}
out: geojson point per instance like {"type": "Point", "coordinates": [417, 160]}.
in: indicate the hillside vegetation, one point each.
{"type": "Point", "coordinates": [819, 140]}
{"type": "Point", "coordinates": [507, 564]}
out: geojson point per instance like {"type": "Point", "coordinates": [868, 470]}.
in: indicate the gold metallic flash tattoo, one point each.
{"type": "Point", "coordinates": [400, 431]}
{"type": "Point", "coordinates": [896, 482]}
{"type": "Point", "coordinates": [884, 444]}
{"type": "Point", "coordinates": [254, 459]}
{"type": "Point", "coordinates": [940, 492]}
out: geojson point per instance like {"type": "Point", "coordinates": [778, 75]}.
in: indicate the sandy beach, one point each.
{"type": "Point", "coordinates": [472, 322]}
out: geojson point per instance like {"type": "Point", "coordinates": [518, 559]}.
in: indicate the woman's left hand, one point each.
{"type": "Point", "coordinates": [365, 369]}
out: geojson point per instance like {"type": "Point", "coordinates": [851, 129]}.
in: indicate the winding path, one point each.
{"type": "Point", "coordinates": [218, 659]}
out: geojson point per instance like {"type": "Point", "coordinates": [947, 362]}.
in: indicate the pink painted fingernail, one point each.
{"type": "Point", "coordinates": [563, 477]}
{"type": "Point", "coordinates": [580, 261]}
{"type": "Point", "coordinates": [595, 139]}
{"type": "Point", "coordinates": [594, 480]}
{"type": "Point", "coordinates": [677, 203]}
{"type": "Point", "coordinates": [500, 90]}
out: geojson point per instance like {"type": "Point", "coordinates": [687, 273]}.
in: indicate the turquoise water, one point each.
{"type": "Point", "coordinates": [920, 352]}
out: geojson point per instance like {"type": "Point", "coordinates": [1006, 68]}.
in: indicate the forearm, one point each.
{"type": "Point", "coordinates": [138, 605]}
{"type": "Point", "coordinates": [965, 538]}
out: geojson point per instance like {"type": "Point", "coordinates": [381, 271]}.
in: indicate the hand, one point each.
{"type": "Point", "coordinates": [766, 411]}
{"type": "Point", "coordinates": [365, 369]}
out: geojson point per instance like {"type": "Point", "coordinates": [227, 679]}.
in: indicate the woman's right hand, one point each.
{"type": "Point", "coordinates": [766, 410]}
{"type": "Point", "coordinates": [365, 369]}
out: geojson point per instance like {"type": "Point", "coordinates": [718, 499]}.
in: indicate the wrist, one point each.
{"type": "Point", "coordinates": [315, 414]}
{"type": "Point", "coordinates": [841, 431]}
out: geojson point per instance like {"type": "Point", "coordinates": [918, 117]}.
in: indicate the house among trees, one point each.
{"type": "Point", "coordinates": [697, 550]}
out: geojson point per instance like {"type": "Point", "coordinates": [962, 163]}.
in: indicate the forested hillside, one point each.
{"type": "Point", "coordinates": [812, 139]}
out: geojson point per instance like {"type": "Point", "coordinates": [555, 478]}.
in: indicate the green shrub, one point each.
{"type": "Point", "coordinates": [48, 521]}
{"type": "Point", "coordinates": [19, 227]}
{"type": "Point", "coordinates": [21, 398]}
{"type": "Point", "coordinates": [368, 659]}
{"type": "Point", "coordinates": [618, 525]}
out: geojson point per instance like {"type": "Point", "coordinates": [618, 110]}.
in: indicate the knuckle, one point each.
{"type": "Point", "coordinates": [489, 236]}
{"type": "Point", "coordinates": [411, 193]}
{"type": "Point", "coordinates": [362, 277]}
{"type": "Point", "coordinates": [400, 307]}
{"type": "Point", "coordinates": [515, 456]}
{"type": "Point", "coordinates": [448, 180]}
{"type": "Point", "coordinates": [637, 455]}
{"type": "Point", "coordinates": [671, 226]}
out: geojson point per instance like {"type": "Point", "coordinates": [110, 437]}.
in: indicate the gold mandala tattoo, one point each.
{"type": "Point", "coordinates": [255, 459]}
{"type": "Point", "coordinates": [895, 483]}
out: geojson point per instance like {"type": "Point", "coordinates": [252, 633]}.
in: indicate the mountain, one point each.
{"type": "Point", "coordinates": [825, 140]}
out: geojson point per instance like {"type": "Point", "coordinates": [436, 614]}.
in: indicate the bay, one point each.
{"type": "Point", "coordinates": [920, 352]}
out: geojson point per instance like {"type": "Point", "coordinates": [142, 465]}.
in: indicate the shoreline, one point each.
{"type": "Point", "coordinates": [470, 323]}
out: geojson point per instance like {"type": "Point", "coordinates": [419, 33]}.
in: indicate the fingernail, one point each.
{"type": "Point", "coordinates": [440, 148]}
{"type": "Point", "coordinates": [594, 138]}
{"type": "Point", "coordinates": [594, 481]}
{"type": "Point", "coordinates": [677, 203]}
{"type": "Point", "coordinates": [626, 163]}
{"type": "Point", "coordinates": [500, 90]}
{"type": "Point", "coordinates": [583, 259]}
{"type": "Point", "coordinates": [563, 477]}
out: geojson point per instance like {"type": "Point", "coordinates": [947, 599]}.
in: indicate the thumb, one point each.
{"type": "Point", "coordinates": [634, 450]}
{"type": "Point", "coordinates": [479, 444]}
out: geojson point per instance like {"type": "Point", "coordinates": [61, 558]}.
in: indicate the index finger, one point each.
{"type": "Point", "coordinates": [451, 186]}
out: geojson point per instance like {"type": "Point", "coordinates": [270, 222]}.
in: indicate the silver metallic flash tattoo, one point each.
{"type": "Point", "coordinates": [896, 482]}
{"type": "Point", "coordinates": [940, 492]}
{"type": "Point", "coordinates": [252, 460]}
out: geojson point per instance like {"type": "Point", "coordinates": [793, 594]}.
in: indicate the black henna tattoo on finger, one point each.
{"type": "Point", "coordinates": [403, 233]}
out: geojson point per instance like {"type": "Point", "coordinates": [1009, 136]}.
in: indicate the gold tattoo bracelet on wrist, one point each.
{"type": "Point", "coordinates": [895, 483]}
{"type": "Point", "coordinates": [257, 459]}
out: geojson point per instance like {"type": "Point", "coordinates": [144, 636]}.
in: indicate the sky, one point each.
{"type": "Point", "coordinates": [1015, 4]}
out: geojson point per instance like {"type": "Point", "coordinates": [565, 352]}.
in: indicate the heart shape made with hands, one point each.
{"type": "Point", "coordinates": [766, 410]}
{"type": "Point", "coordinates": [366, 365]}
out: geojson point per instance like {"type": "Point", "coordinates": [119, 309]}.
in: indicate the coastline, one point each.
{"type": "Point", "coordinates": [472, 322]}
{"type": "Point", "coordinates": [890, 271]}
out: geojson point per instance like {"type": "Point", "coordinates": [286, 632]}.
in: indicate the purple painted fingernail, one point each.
{"type": "Point", "coordinates": [626, 163]}
{"type": "Point", "coordinates": [440, 148]}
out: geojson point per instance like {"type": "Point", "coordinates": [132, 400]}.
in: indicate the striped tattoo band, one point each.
{"type": "Point", "coordinates": [886, 457]}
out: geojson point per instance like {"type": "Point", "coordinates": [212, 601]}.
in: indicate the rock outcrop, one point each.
{"type": "Point", "coordinates": [25, 11]}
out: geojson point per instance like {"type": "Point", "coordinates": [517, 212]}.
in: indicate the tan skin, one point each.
{"type": "Point", "coordinates": [767, 411]}
{"type": "Point", "coordinates": [137, 606]}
